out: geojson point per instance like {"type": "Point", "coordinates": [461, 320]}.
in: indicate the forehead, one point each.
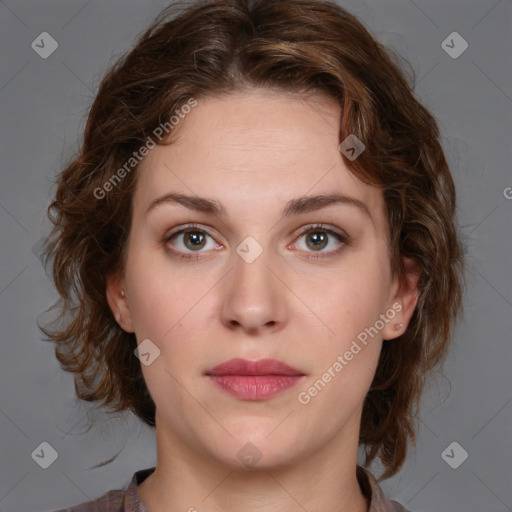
{"type": "Point", "coordinates": [255, 148]}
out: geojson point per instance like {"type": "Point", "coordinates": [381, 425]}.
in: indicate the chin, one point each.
{"type": "Point", "coordinates": [257, 452]}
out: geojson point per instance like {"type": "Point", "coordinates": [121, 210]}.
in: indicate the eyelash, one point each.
{"type": "Point", "coordinates": [344, 239]}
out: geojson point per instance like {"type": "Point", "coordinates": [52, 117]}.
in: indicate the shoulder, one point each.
{"type": "Point", "coordinates": [112, 501]}
{"type": "Point", "coordinates": [117, 500]}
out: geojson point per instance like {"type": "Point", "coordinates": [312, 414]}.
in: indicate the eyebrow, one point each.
{"type": "Point", "coordinates": [295, 206]}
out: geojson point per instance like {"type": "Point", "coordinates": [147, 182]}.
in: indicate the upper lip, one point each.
{"type": "Point", "coordinates": [260, 367]}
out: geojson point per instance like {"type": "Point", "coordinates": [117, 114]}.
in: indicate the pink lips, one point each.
{"type": "Point", "coordinates": [254, 380]}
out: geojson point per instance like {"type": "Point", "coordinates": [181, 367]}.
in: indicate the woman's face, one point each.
{"type": "Point", "coordinates": [258, 281]}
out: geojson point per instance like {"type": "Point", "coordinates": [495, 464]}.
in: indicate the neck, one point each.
{"type": "Point", "coordinates": [186, 480]}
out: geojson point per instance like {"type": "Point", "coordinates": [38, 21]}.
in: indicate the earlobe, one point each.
{"type": "Point", "coordinates": [118, 302]}
{"type": "Point", "coordinates": [404, 301]}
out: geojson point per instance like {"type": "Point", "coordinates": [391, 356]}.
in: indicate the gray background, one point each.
{"type": "Point", "coordinates": [43, 104]}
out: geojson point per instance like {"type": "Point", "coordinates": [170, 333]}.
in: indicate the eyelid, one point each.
{"type": "Point", "coordinates": [324, 227]}
{"type": "Point", "coordinates": [183, 229]}
{"type": "Point", "coordinates": [189, 227]}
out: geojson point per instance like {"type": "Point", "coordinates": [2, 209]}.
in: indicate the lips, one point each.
{"type": "Point", "coordinates": [254, 380]}
{"type": "Point", "coordinates": [261, 367]}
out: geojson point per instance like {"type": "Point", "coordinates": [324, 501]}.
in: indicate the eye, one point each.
{"type": "Point", "coordinates": [318, 237]}
{"type": "Point", "coordinates": [190, 239]}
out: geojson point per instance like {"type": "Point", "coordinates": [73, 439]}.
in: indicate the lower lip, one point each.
{"type": "Point", "coordinates": [255, 387]}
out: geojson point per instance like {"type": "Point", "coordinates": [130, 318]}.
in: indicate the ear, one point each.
{"type": "Point", "coordinates": [117, 299]}
{"type": "Point", "coordinates": [404, 299]}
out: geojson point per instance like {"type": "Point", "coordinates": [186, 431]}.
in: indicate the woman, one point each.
{"type": "Point", "coordinates": [256, 253]}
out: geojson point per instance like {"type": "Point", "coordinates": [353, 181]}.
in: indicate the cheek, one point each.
{"type": "Point", "coordinates": [174, 310]}
{"type": "Point", "coordinates": [347, 353]}
{"type": "Point", "coordinates": [348, 340]}
{"type": "Point", "coordinates": [348, 299]}
{"type": "Point", "coordinates": [164, 309]}
{"type": "Point", "coordinates": [161, 294]}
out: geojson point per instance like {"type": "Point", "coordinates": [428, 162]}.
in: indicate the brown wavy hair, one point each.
{"type": "Point", "coordinates": [218, 47]}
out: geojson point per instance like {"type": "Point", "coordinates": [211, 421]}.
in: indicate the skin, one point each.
{"type": "Point", "coordinates": [253, 151]}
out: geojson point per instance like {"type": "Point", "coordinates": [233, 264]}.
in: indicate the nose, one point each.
{"type": "Point", "coordinates": [255, 296]}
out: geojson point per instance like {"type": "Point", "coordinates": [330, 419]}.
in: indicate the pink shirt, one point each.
{"type": "Point", "coordinates": [129, 501]}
